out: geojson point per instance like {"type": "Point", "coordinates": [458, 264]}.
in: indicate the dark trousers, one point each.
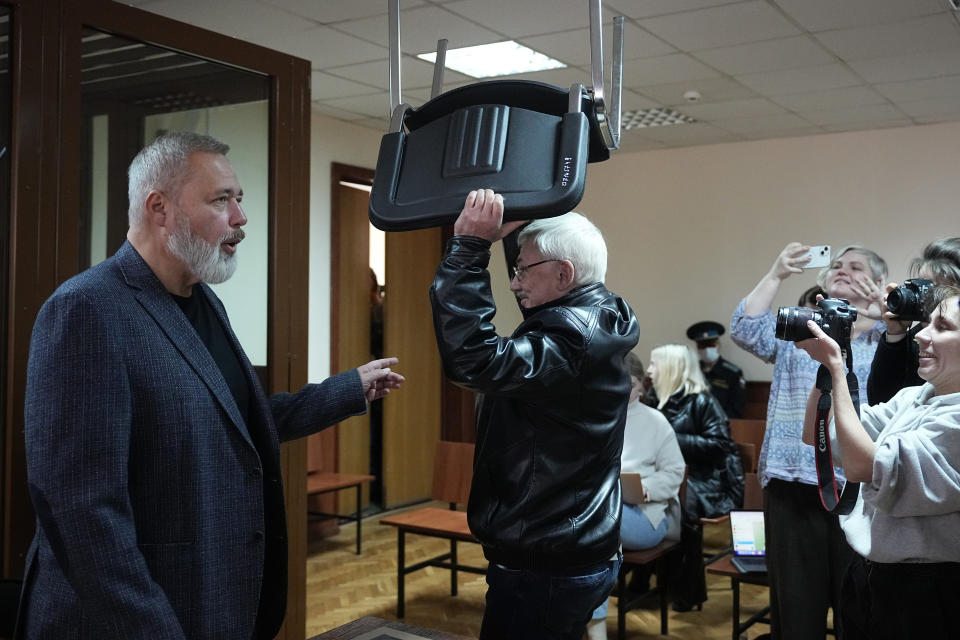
{"type": "Point", "coordinates": [901, 600]}
{"type": "Point", "coordinates": [807, 558]}
{"type": "Point", "coordinates": [544, 605]}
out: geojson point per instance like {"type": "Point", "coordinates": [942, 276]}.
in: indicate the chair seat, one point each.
{"type": "Point", "coordinates": [431, 521]}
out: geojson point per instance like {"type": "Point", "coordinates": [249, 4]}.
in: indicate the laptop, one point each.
{"type": "Point", "coordinates": [749, 541]}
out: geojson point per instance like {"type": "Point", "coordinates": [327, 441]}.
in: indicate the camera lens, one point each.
{"type": "Point", "coordinates": [901, 299]}
{"type": "Point", "coordinates": [792, 323]}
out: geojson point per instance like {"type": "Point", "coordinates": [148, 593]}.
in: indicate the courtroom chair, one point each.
{"type": "Point", "coordinates": [656, 557]}
{"type": "Point", "coordinates": [748, 456]}
{"type": "Point", "coordinates": [452, 474]}
{"type": "Point", "coordinates": [748, 431]}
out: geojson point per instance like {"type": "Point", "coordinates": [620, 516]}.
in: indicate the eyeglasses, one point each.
{"type": "Point", "coordinates": [521, 272]}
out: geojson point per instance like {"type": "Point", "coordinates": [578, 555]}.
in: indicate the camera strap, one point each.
{"type": "Point", "coordinates": [833, 499]}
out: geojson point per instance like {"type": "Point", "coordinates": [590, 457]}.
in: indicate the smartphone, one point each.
{"type": "Point", "coordinates": [819, 256]}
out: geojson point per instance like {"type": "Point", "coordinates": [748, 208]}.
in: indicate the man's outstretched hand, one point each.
{"type": "Point", "coordinates": [482, 217]}
{"type": "Point", "coordinates": [378, 379]}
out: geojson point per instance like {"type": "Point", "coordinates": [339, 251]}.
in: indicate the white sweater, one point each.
{"type": "Point", "coordinates": [650, 448]}
{"type": "Point", "coordinates": [910, 511]}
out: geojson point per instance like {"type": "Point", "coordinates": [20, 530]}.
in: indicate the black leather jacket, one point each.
{"type": "Point", "coordinates": [550, 414]}
{"type": "Point", "coordinates": [714, 468]}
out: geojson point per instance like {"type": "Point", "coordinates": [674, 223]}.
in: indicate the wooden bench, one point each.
{"type": "Point", "coordinates": [452, 475]}
{"type": "Point", "coordinates": [320, 482]}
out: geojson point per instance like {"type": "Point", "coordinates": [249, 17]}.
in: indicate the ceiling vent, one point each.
{"type": "Point", "coordinates": [658, 117]}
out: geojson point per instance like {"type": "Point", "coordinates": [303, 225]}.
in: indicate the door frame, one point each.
{"type": "Point", "coordinates": [46, 123]}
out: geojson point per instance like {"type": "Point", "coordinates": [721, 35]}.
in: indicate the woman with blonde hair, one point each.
{"type": "Point", "coordinates": [714, 469]}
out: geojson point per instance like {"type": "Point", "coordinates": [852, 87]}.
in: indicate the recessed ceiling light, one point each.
{"type": "Point", "coordinates": [496, 59]}
{"type": "Point", "coordinates": [659, 117]}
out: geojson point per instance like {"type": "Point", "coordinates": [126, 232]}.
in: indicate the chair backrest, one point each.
{"type": "Point", "coordinates": [452, 471]}
{"type": "Point", "coordinates": [748, 431]}
{"type": "Point", "coordinates": [752, 491]}
{"type": "Point", "coordinates": [748, 456]}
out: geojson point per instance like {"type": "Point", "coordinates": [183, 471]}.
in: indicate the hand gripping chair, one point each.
{"type": "Point", "coordinates": [527, 140]}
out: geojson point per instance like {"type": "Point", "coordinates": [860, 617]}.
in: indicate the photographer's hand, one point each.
{"type": "Point", "coordinates": [787, 263]}
{"type": "Point", "coordinates": [824, 350]}
{"type": "Point", "coordinates": [896, 328]}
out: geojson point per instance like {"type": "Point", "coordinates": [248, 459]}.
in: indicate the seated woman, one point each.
{"type": "Point", "coordinates": [715, 472]}
{"type": "Point", "coordinates": [650, 449]}
{"type": "Point", "coordinates": [714, 469]}
{"type": "Point", "coordinates": [905, 580]}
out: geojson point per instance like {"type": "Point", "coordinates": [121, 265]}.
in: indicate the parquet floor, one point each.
{"type": "Point", "coordinates": [342, 586]}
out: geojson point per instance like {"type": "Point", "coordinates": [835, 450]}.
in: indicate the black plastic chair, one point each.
{"type": "Point", "coordinates": [527, 140]}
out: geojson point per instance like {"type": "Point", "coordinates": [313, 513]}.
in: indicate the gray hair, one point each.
{"type": "Point", "coordinates": [878, 266]}
{"type": "Point", "coordinates": [570, 237]}
{"type": "Point", "coordinates": [941, 259]}
{"type": "Point", "coordinates": [162, 166]}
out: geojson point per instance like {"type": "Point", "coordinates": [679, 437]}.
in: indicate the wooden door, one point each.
{"type": "Point", "coordinates": [412, 417]}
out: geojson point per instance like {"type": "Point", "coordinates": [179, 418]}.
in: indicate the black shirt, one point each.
{"type": "Point", "coordinates": [204, 320]}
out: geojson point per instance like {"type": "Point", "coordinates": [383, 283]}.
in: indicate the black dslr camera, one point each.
{"type": "Point", "coordinates": [835, 317]}
{"type": "Point", "coordinates": [909, 300]}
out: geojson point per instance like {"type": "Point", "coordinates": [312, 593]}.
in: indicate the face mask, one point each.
{"type": "Point", "coordinates": [710, 354]}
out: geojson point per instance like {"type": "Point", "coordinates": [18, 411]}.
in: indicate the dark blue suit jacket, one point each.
{"type": "Point", "coordinates": [158, 514]}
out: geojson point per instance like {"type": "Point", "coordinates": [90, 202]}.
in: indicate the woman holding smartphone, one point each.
{"type": "Point", "coordinates": [806, 550]}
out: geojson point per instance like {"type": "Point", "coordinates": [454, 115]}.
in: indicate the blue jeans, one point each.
{"type": "Point", "coordinates": [544, 605]}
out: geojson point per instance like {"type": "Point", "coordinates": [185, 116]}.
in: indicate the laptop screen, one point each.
{"type": "Point", "coordinates": [747, 533]}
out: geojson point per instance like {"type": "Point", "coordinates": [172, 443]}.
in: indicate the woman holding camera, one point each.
{"type": "Point", "coordinates": [905, 580]}
{"type": "Point", "coordinates": [714, 469]}
{"type": "Point", "coordinates": [895, 362]}
{"type": "Point", "coordinates": [806, 550]}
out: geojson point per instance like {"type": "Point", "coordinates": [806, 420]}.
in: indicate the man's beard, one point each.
{"type": "Point", "coordinates": [206, 261]}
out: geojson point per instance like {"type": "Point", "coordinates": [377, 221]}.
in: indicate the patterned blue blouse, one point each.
{"type": "Point", "coordinates": [784, 456]}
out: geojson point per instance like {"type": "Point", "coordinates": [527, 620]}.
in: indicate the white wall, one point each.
{"type": "Point", "coordinates": [690, 231]}
{"type": "Point", "coordinates": [330, 141]}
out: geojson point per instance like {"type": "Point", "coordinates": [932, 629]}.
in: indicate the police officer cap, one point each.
{"type": "Point", "coordinates": [706, 330]}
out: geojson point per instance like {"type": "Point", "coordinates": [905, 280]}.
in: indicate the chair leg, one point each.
{"type": "Point", "coordinates": [400, 571]}
{"type": "Point", "coordinates": [357, 513]}
{"type": "Point", "coordinates": [453, 567]}
{"type": "Point", "coordinates": [662, 587]}
{"type": "Point", "coordinates": [621, 608]}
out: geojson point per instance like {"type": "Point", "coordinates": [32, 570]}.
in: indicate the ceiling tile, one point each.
{"type": "Point", "coordinates": [630, 143]}
{"type": "Point", "coordinates": [573, 47]}
{"type": "Point", "coordinates": [766, 134]}
{"type": "Point", "coordinates": [932, 33]}
{"type": "Point", "coordinates": [821, 15]}
{"type": "Point", "coordinates": [650, 8]}
{"type": "Point", "coordinates": [763, 123]}
{"type": "Point", "coordinates": [413, 74]}
{"type": "Point", "coordinates": [841, 128]}
{"type": "Point", "coordinates": [330, 86]}
{"type": "Point", "coordinates": [710, 89]}
{"type": "Point", "coordinates": [329, 11]}
{"type": "Point", "coordinates": [244, 20]}
{"type": "Point", "coordinates": [374, 106]}
{"type": "Point", "coordinates": [732, 109]}
{"type": "Point", "coordinates": [908, 67]}
{"type": "Point", "coordinates": [333, 112]}
{"type": "Point", "coordinates": [945, 87]}
{"type": "Point", "coordinates": [833, 98]}
{"type": "Point", "coordinates": [872, 113]}
{"type": "Point", "coordinates": [785, 82]}
{"type": "Point", "coordinates": [420, 29]}
{"type": "Point", "coordinates": [325, 48]}
{"type": "Point", "coordinates": [923, 109]}
{"type": "Point", "coordinates": [665, 69]}
{"type": "Point", "coordinates": [721, 26]}
{"type": "Point", "coordinates": [786, 53]}
{"type": "Point", "coordinates": [517, 18]}
{"type": "Point", "coordinates": [697, 131]}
